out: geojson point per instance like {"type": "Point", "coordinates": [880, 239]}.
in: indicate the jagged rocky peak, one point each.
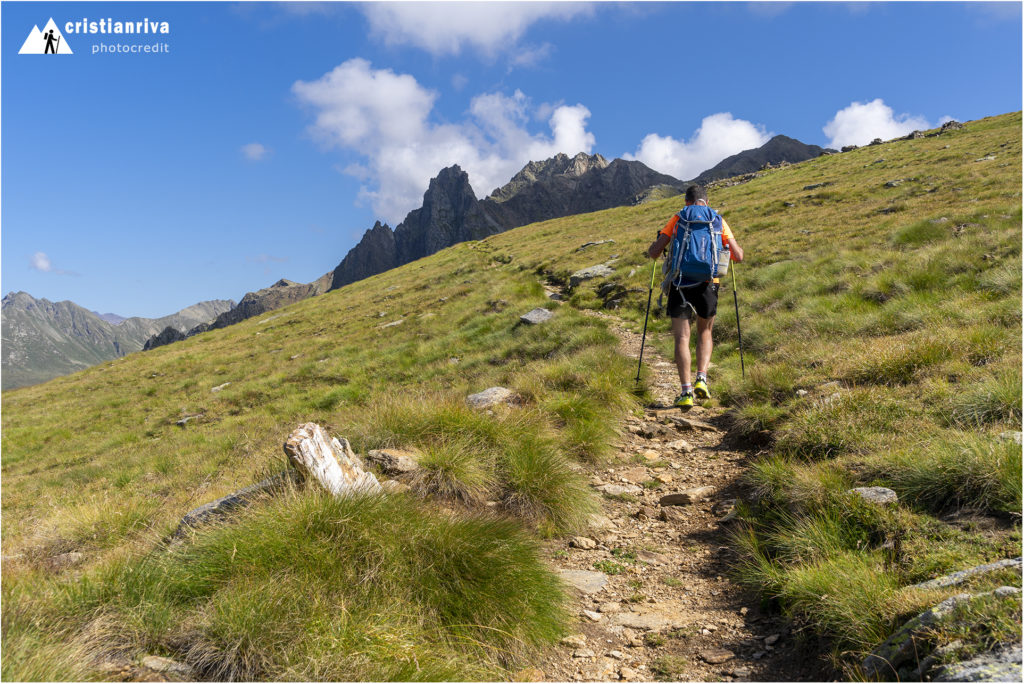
{"type": "Point", "coordinates": [559, 165]}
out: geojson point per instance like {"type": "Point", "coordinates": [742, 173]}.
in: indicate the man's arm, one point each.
{"type": "Point", "coordinates": [658, 246]}
{"type": "Point", "coordinates": [735, 250]}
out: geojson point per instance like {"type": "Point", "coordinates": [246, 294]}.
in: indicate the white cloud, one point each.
{"type": "Point", "coordinates": [445, 28]}
{"type": "Point", "coordinates": [719, 136]}
{"type": "Point", "coordinates": [254, 151]}
{"type": "Point", "coordinates": [385, 118]}
{"type": "Point", "coordinates": [860, 123]}
{"type": "Point", "coordinates": [530, 56]}
{"type": "Point", "coordinates": [41, 262]}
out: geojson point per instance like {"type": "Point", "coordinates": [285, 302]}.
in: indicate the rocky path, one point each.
{"type": "Point", "coordinates": [654, 596]}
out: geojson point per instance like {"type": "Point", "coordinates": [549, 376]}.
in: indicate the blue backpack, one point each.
{"type": "Point", "coordinates": [697, 254]}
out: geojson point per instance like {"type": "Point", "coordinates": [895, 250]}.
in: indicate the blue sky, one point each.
{"type": "Point", "coordinates": [270, 136]}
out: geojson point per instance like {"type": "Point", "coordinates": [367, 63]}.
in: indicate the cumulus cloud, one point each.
{"type": "Point", "coordinates": [862, 122]}
{"type": "Point", "coordinates": [385, 118]}
{"type": "Point", "coordinates": [719, 136]}
{"type": "Point", "coordinates": [443, 28]}
{"type": "Point", "coordinates": [254, 151]}
{"type": "Point", "coordinates": [41, 262]}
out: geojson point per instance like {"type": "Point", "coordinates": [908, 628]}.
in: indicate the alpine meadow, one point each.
{"type": "Point", "coordinates": [880, 312]}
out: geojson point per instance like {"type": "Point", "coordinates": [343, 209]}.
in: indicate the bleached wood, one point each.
{"type": "Point", "coordinates": [329, 461]}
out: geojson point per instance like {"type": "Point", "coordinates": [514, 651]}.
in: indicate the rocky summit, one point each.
{"type": "Point", "coordinates": [451, 213]}
{"type": "Point", "coordinates": [779, 149]}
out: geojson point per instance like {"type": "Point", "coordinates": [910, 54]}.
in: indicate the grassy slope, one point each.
{"type": "Point", "coordinates": [918, 321]}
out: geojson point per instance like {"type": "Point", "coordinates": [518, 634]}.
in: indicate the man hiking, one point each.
{"type": "Point", "coordinates": [699, 299]}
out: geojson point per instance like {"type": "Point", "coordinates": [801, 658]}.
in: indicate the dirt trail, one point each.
{"type": "Point", "coordinates": [667, 608]}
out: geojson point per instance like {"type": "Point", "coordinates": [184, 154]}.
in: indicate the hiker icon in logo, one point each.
{"type": "Point", "coordinates": [49, 41]}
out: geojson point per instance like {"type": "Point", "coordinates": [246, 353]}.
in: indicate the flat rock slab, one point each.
{"type": "Point", "coordinates": [492, 396]}
{"type": "Point", "coordinates": [687, 496]}
{"type": "Point", "coordinates": [962, 576]}
{"type": "Point", "coordinates": [586, 581]}
{"type": "Point", "coordinates": [536, 316]}
{"type": "Point", "coordinates": [717, 656]}
{"type": "Point", "coordinates": [652, 558]}
{"type": "Point", "coordinates": [1000, 665]}
{"type": "Point", "coordinates": [651, 621]}
{"type": "Point", "coordinates": [876, 495]}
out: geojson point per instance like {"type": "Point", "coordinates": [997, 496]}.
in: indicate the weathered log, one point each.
{"type": "Point", "coordinates": [242, 497]}
{"type": "Point", "coordinates": [328, 461]}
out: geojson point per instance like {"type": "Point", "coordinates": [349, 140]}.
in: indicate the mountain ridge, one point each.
{"type": "Point", "coordinates": [43, 339]}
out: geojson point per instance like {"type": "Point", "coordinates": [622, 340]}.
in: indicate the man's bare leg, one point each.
{"type": "Point", "coordinates": [681, 334]}
{"type": "Point", "coordinates": [704, 343]}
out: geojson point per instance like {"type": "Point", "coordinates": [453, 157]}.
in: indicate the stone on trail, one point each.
{"type": "Point", "coordinates": [650, 621]}
{"type": "Point", "coordinates": [680, 445]}
{"type": "Point", "coordinates": [574, 640]}
{"type": "Point", "coordinates": [583, 543]}
{"type": "Point", "coordinates": [492, 396]}
{"type": "Point", "coordinates": [619, 490]}
{"type": "Point", "coordinates": [652, 558]}
{"type": "Point", "coordinates": [394, 461]}
{"type": "Point", "coordinates": [329, 461]}
{"type": "Point", "coordinates": [536, 316]}
{"type": "Point", "coordinates": [600, 522]}
{"type": "Point", "coordinates": [875, 495]}
{"type": "Point", "coordinates": [634, 475]}
{"type": "Point", "coordinates": [687, 496]}
{"type": "Point", "coordinates": [586, 581]}
{"type": "Point", "coordinates": [591, 615]}
{"type": "Point", "coordinates": [716, 656]}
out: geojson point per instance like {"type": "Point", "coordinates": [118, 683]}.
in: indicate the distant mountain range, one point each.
{"type": "Point", "coordinates": [42, 340]}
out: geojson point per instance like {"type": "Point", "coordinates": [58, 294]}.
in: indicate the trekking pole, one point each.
{"type": "Point", "coordinates": [650, 292]}
{"type": "Point", "coordinates": [736, 301]}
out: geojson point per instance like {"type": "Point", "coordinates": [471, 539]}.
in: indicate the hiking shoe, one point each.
{"type": "Point", "coordinates": [684, 402]}
{"type": "Point", "coordinates": [700, 389]}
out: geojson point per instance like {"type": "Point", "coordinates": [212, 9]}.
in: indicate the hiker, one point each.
{"type": "Point", "coordinates": [698, 300]}
{"type": "Point", "coordinates": [50, 45]}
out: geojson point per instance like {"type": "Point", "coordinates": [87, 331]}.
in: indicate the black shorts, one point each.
{"type": "Point", "coordinates": [700, 299]}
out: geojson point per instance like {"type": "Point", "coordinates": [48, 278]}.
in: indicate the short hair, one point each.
{"type": "Point", "coordinates": [695, 193]}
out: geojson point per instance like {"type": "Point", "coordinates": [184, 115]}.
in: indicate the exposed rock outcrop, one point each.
{"type": "Point", "coordinates": [774, 152]}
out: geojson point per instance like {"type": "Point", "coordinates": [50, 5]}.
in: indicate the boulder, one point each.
{"type": "Point", "coordinates": [849, 148]}
{"type": "Point", "coordinates": [536, 316]}
{"type": "Point", "coordinates": [953, 125]}
{"type": "Point", "coordinates": [598, 271]}
{"type": "Point", "coordinates": [161, 664]}
{"type": "Point", "coordinates": [394, 461]}
{"type": "Point", "coordinates": [492, 396]}
{"type": "Point", "coordinates": [649, 621]}
{"type": "Point", "coordinates": [914, 135]}
{"type": "Point", "coordinates": [329, 461]}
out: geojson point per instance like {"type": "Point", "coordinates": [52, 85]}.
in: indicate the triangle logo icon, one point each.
{"type": "Point", "coordinates": [49, 41]}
